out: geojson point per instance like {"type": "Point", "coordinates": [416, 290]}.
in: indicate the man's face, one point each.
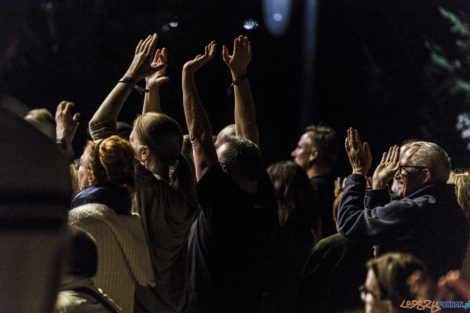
{"type": "Point", "coordinates": [370, 295]}
{"type": "Point", "coordinates": [302, 152]}
{"type": "Point", "coordinates": [410, 178]}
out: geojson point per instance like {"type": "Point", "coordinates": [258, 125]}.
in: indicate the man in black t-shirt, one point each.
{"type": "Point", "coordinates": [317, 153]}
{"type": "Point", "coordinates": [231, 237]}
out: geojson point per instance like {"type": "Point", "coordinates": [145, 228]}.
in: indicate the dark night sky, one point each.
{"type": "Point", "coordinates": [369, 67]}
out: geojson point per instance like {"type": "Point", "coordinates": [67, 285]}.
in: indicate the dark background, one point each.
{"type": "Point", "coordinates": [369, 69]}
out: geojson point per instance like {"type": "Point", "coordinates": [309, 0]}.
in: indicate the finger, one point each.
{"type": "Point", "coordinates": [68, 107]}
{"type": "Point", "coordinates": [74, 131]}
{"type": "Point", "coordinates": [139, 45]}
{"type": "Point", "coordinates": [157, 56]}
{"type": "Point", "coordinates": [236, 47]}
{"type": "Point", "coordinates": [151, 45]}
{"type": "Point", "coordinates": [75, 117]}
{"type": "Point", "coordinates": [60, 108]}
{"type": "Point", "coordinates": [366, 149]}
{"type": "Point", "coordinates": [212, 49]}
{"type": "Point", "coordinates": [164, 55]}
{"type": "Point", "coordinates": [396, 154]}
{"type": "Point", "coordinates": [145, 43]}
{"type": "Point", "coordinates": [225, 55]}
{"type": "Point", "coordinates": [357, 138]}
{"type": "Point", "coordinates": [384, 157]}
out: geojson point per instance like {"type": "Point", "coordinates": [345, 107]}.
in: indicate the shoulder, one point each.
{"type": "Point", "coordinates": [90, 211]}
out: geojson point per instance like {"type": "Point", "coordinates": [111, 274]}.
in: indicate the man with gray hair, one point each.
{"type": "Point", "coordinates": [426, 221]}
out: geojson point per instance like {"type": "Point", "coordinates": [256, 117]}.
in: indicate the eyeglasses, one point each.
{"type": "Point", "coordinates": [402, 168]}
{"type": "Point", "coordinates": [365, 292]}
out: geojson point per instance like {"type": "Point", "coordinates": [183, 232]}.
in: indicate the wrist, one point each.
{"type": "Point", "coordinates": [378, 185]}
{"type": "Point", "coordinates": [237, 74]}
{"type": "Point", "coordinates": [359, 171]}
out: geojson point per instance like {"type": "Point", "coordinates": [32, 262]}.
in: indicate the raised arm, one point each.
{"type": "Point", "coordinates": [199, 127]}
{"type": "Point", "coordinates": [154, 81]}
{"type": "Point", "coordinates": [66, 127]}
{"type": "Point", "coordinates": [245, 117]}
{"type": "Point", "coordinates": [140, 68]}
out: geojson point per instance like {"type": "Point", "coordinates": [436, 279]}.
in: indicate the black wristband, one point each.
{"type": "Point", "coordinates": [234, 82]}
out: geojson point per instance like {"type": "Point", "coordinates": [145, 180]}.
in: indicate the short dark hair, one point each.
{"type": "Point", "coordinates": [242, 158]}
{"type": "Point", "coordinates": [83, 255]}
{"type": "Point", "coordinates": [323, 138]}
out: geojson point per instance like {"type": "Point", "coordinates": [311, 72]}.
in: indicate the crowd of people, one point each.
{"type": "Point", "coordinates": [166, 222]}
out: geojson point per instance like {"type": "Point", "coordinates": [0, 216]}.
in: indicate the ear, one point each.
{"type": "Point", "coordinates": [144, 153]}
{"type": "Point", "coordinates": [91, 179]}
{"type": "Point", "coordinates": [426, 178]}
{"type": "Point", "coordinates": [313, 156]}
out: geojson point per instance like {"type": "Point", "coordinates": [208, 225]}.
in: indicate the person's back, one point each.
{"type": "Point", "coordinates": [229, 244]}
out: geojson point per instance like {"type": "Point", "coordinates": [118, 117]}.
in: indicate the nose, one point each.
{"type": "Point", "coordinates": [292, 154]}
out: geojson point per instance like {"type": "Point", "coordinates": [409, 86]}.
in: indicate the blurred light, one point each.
{"type": "Point", "coordinates": [277, 17]}
{"type": "Point", "coordinates": [165, 28]}
{"type": "Point", "coordinates": [276, 14]}
{"type": "Point", "coordinates": [250, 24]}
{"type": "Point", "coordinates": [173, 24]}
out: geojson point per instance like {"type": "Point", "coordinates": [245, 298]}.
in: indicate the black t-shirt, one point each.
{"type": "Point", "coordinates": [323, 187]}
{"type": "Point", "coordinates": [230, 243]}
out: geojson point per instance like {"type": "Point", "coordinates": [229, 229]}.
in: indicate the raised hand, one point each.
{"type": "Point", "coordinates": [141, 65]}
{"type": "Point", "coordinates": [387, 168]}
{"type": "Point", "coordinates": [359, 154]}
{"type": "Point", "coordinates": [192, 66]}
{"type": "Point", "coordinates": [158, 78]}
{"type": "Point", "coordinates": [66, 124]}
{"type": "Point", "coordinates": [240, 58]}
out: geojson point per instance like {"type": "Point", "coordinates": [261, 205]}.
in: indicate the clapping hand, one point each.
{"type": "Point", "coordinates": [192, 66]}
{"type": "Point", "coordinates": [142, 65]}
{"type": "Point", "coordinates": [359, 154]}
{"type": "Point", "coordinates": [387, 168]}
{"type": "Point", "coordinates": [158, 78]}
{"type": "Point", "coordinates": [240, 58]}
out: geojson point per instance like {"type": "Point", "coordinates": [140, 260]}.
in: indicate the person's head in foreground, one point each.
{"type": "Point", "coordinates": [387, 283]}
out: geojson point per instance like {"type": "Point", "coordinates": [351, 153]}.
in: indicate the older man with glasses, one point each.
{"type": "Point", "coordinates": [426, 221]}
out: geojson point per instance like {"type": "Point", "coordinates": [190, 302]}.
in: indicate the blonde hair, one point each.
{"type": "Point", "coordinates": [115, 164]}
{"type": "Point", "coordinates": [461, 180]}
{"type": "Point", "coordinates": [164, 138]}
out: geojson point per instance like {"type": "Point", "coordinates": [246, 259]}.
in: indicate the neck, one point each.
{"type": "Point", "coordinates": [317, 170]}
{"type": "Point", "coordinates": [159, 168]}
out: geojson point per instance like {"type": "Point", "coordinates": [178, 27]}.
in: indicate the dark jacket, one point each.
{"type": "Point", "coordinates": [428, 223]}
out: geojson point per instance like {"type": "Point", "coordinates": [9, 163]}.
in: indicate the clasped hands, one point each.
{"type": "Point", "coordinates": [360, 159]}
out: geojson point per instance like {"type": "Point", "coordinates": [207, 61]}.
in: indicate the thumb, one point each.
{"type": "Point", "coordinates": [225, 55]}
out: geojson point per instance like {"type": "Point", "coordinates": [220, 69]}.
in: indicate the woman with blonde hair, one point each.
{"type": "Point", "coordinates": [165, 186]}
{"type": "Point", "coordinates": [103, 209]}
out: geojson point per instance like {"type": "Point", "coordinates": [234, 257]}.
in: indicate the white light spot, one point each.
{"type": "Point", "coordinates": [277, 17]}
{"type": "Point", "coordinates": [173, 24]}
{"type": "Point", "coordinates": [250, 24]}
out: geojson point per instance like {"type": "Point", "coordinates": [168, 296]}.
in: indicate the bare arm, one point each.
{"type": "Point", "coordinates": [154, 81]}
{"type": "Point", "coordinates": [138, 70]}
{"type": "Point", "coordinates": [245, 118]}
{"type": "Point", "coordinates": [197, 121]}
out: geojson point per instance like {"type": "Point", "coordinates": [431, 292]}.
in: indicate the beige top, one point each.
{"type": "Point", "coordinates": [167, 219]}
{"type": "Point", "coordinates": [123, 254]}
